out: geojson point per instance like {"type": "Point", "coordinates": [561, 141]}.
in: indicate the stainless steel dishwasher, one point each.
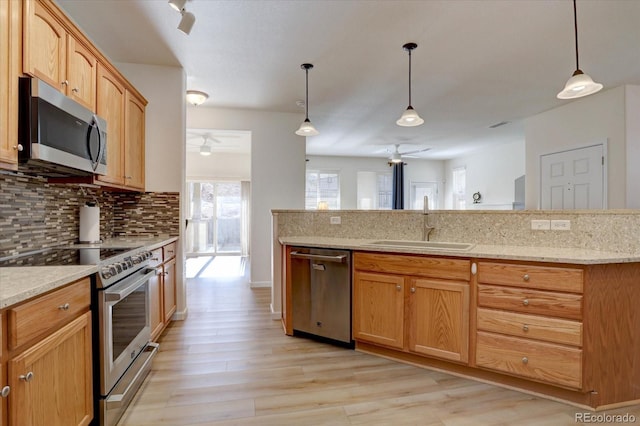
{"type": "Point", "coordinates": [321, 293]}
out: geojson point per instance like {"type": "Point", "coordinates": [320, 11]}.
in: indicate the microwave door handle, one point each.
{"type": "Point", "coordinates": [102, 144]}
{"type": "Point", "coordinates": [94, 127]}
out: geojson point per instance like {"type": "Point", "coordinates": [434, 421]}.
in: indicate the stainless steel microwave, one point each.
{"type": "Point", "coordinates": [57, 136]}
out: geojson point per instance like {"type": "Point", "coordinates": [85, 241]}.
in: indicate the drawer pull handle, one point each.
{"type": "Point", "coordinates": [26, 377]}
{"type": "Point", "coordinates": [398, 287]}
{"type": "Point", "coordinates": [4, 392]}
{"type": "Point", "coordinates": [525, 302]}
{"type": "Point", "coordinates": [526, 277]}
{"type": "Point", "coordinates": [525, 327]}
{"type": "Point", "coordinates": [64, 307]}
{"type": "Point", "coordinates": [155, 259]}
{"type": "Point", "coordinates": [525, 360]}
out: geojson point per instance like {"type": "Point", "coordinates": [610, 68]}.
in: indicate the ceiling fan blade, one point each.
{"type": "Point", "coordinates": [404, 154]}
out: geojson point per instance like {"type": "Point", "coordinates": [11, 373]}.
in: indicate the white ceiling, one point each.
{"type": "Point", "coordinates": [478, 63]}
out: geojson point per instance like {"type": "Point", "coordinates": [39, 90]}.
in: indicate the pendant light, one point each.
{"type": "Point", "coordinates": [306, 128]}
{"type": "Point", "coordinates": [580, 84]}
{"type": "Point", "coordinates": [410, 117]}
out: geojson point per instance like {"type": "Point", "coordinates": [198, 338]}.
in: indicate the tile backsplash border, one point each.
{"type": "Point", "coordinates": [36, 214]}
{"type": "Point", "coordinates": [605, 230]}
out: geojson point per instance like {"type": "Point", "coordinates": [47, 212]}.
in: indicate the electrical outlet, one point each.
{"type": "Point", "coordinates": [335, 220]}
{"type": "Point", "coordinates": [540, 225]}
{"type": "Point", "coordinates": [561, 225]}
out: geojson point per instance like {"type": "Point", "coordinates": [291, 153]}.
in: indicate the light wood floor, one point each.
{"type": "Point", "coordinates": [228, 363]}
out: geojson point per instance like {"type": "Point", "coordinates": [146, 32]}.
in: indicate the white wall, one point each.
{"type": "Point", "coordinates": [219, 166]}
{"type": "Point", "coordinates": [277, 171]}
{"type": "Point", "coordinates": [416, 170]}
{"type": "Point", "coordinates": [165, 130]}
{"type": "Point", "coordinates": [582, 122]}
{"type": "Point", "coordinates": [632, 117]}
{"type": "Point", "coordinates": [490, 171]}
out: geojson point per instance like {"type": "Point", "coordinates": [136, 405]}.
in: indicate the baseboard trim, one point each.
{"type": "Point", "coordinates": [275, 315]}
{"type": "Point", "coordinates": [180, 316]}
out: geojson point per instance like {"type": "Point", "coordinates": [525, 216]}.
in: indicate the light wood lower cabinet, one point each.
{"type": "Point", "coordinates": [51, 382]}
{"type": "Point", "coordinates": [425, 315]}
{"type": "Point", "coordinates": [162, 289]}
{"type": "Point", "coordinates": [46, 359]}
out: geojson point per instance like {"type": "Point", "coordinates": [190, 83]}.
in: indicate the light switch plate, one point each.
{"type": "Point", "coordinates": [335, 220]}
{"type": "Point", "coordinates": [561, 225]}
{"type": "Point", "coordinates": [540, 225]}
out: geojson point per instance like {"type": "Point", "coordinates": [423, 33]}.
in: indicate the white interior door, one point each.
{"type": "Point", "coordinates": [573, 179]}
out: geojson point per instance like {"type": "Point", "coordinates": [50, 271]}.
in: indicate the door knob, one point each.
{"type": "Point", "coordinates": [26, 377]}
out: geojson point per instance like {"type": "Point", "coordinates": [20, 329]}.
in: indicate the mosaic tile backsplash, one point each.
{"type": "Point", "coordinates": [35, 214]}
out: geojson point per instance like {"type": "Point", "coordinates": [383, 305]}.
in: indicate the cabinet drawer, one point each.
{"type": "Point", "coordinates": [421, 266]}
{"type": "Point", "coordinates": [531, 326]}
{"type": "Point", "coordinates": [536, 277]}
{"type": "Point", "coordinates": [563, 305]}
{"type": "Point", "coordinates": [169, 251]}
{"type": "Point", "coordinates": [544, 362]}
{"type": "Point", "coordinates": [34, 318]}
{"type": "Point", "coordinates": [156, 258]}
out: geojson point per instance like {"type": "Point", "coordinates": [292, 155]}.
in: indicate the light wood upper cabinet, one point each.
{"type": "Point", "coordinates": [134, 141]}
{"type": "Point", "coordinates": [56, 57]}
{"type": "Point", "coordinates": [378, 309]}
{"type": "Point", "coordinates": [439, 312]}
{"type": "Point", "coordinates": [51, 382]}
{"type": "Point", "coordinates": [10, 43]}
{"type": "Point", "coordinates": [81, 74]}
{"type": "Point", "coordinates": [110, 106]}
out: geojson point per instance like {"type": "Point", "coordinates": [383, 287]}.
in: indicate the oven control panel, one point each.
{"type": "Point", "coordinates": [120, 267]}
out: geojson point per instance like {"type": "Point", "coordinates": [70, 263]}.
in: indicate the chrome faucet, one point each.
{"type": "Point", "coordinates": [426, 229]}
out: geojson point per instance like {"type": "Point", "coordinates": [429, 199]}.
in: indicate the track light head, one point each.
{"type": "Point", "coordinates": [177, 5]}
{"type": "Point", "coordinates": [187, 21]}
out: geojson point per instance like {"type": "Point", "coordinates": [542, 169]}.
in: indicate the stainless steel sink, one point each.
{"type": "Point", "coordinates": [431, 245]}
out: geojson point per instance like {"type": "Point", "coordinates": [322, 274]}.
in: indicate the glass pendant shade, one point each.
{"type": "Point", "coordinates": [579, 85]}
{"type": "Point", "coordinates": [307, 129]}
{"type": "Point", "coordinates": [409, 118]}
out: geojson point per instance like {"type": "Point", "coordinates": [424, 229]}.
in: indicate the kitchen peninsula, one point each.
{"type": "Point", "coordinates": [529, 310]}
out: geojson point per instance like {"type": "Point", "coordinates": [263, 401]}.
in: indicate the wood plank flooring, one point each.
{"type": "Point", "coordinates": [228, 363]}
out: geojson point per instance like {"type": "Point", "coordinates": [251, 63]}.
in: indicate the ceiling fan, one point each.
{"type": "Point", "coordinates": [205, 148]}
{"type": "Point", "coordinates": [396, 156]}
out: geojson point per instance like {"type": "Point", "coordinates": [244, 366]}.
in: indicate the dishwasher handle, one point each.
{"type": "Point", "coordinates": [338, 259]}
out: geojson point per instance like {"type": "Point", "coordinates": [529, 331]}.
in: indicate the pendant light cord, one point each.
{"type": "Point", "coordinates": [575, 28]}
{"type": "Point", "coordinates": [410, 76]}
{"type": "Point", "coordinates": [306, 104]}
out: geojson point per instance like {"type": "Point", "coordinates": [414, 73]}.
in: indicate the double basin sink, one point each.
{"type": "Point", "coordinates": [429, 245]}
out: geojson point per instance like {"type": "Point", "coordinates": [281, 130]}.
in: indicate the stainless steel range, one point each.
{"type": "Point", "coordinates": [120, 305]}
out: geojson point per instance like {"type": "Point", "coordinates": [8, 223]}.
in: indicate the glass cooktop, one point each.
{"type": "Point", "coordinates": [56, 256]}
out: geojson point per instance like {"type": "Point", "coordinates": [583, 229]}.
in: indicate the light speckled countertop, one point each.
{"type": "Point", "coordinates": [537, 254]}
{"type": "Point", "coordinates": [18, 284]}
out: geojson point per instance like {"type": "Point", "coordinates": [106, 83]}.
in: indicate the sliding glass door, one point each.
{"type": "Point", "coordinates": [217, 218]}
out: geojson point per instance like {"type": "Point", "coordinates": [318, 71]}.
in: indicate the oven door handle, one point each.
{"type": "Point", "coordinates": [115, 295]}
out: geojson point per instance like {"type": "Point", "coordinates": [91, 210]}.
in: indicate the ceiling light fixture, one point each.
{"type": "Point", "coordinates": [187, 21]}
{"type": "Point", "coordinates": [580, 84]}
{"type": "Point", "coordinates": [205, 149]}
{"type": "Point", "coordinates": [177, 5]}
{"type": "Point", "coordinates": [196, 97]}
{"type": "Point", "coordinates": [410, 117]}
{"type": "Point", "coordinates": [306, 128]}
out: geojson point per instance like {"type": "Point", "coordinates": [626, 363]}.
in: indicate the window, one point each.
{"type": "Point", "coordinates": [418, 190]}
{"type": "Point", "coordinates": [385, 189]}
{"type": "Point", "coordinates": [374, 190]}
{"type": "Point", "coordinates": [459, 187]}
{"type": "Point", "coordinates": [322, 190]}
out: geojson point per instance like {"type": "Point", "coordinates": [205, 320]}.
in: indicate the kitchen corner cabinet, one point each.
{"type": "Point", "coordinates": [134, 142]}
{"type": "Point", "coordinates": [47, 359]}
{"type": "Point", "coordinates": [162, 289]}
{"type": "Point", "coordinates": [10, 44]}
{"type": "Point", "coordinates": [416, 304]}
{"type": "Point", "coordinates": [54, 55]}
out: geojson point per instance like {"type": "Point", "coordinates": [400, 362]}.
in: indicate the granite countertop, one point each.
{"type": "Point", "coordinates": [18, 284]}
{"type": "Point", "coordinates": [538, 254]}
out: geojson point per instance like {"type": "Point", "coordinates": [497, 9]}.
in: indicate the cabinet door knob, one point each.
{"type": "Point", "coordinates": [26, 377]}
{"type": "Point", "coordinates": [398, 287]}
{"type": "Point", "coordinates": [525, 327]}
{"type": "Point", "coordinates": [525, 302]}
{"type": "Point", "coordinates": [4, 392]}
{"type": "Point", "coordinates": [413, 289]}
{"type": "Point", "coordinates": [525, 360]}
{"type": "Point", "coordinates": [65, 82]}
{"type": "Point", "coordinates": [64, 307]}
{"type": "Point", "coordinates": [18, 147]}
{"type": "Point", "coordinates": [75, 90]}
{"type": "Point", "coordinates": [526, 277]}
